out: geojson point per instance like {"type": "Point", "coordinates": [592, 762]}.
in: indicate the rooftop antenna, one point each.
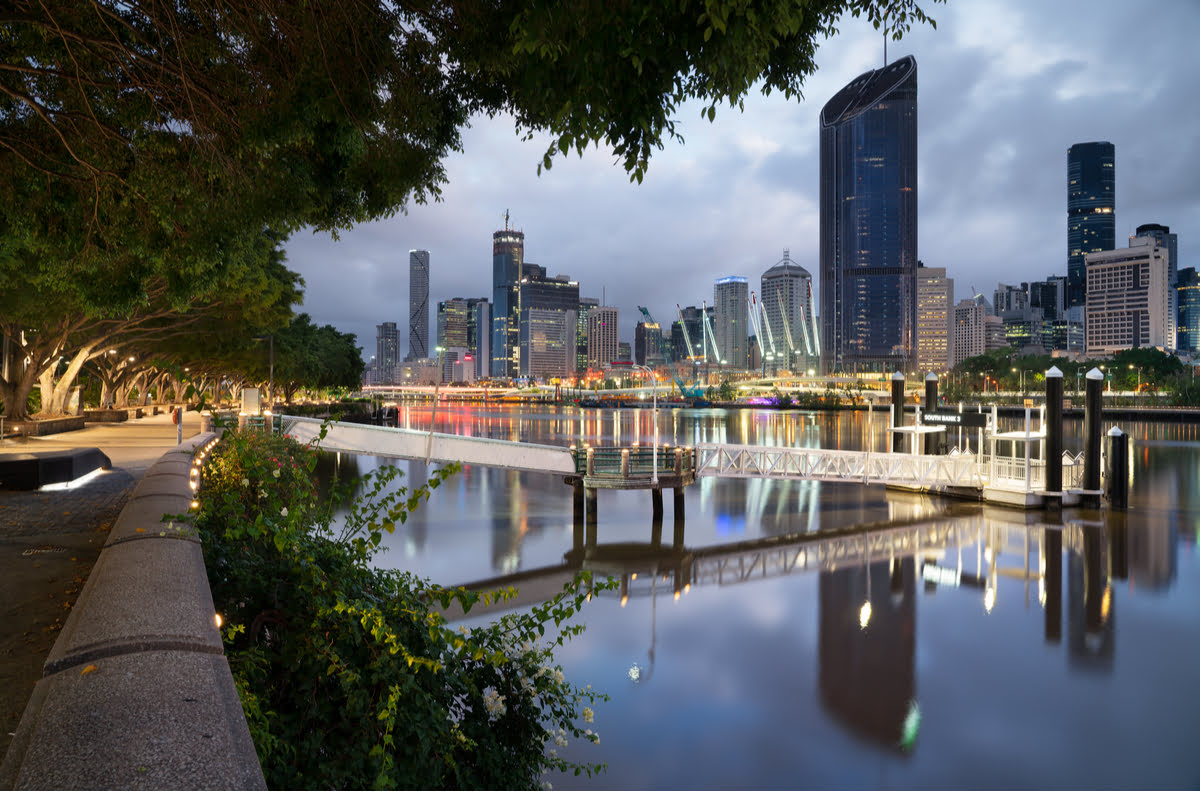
{"type": "Point", "coordinates": [506, 228]}
{"type": "Point", "coordinates": [786, 254]}
{"type": "Point", "coordinates": [885, 40]}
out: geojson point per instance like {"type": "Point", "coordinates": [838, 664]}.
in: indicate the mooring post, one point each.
{"type": "Point", "coordinates": [933, 441]}
{"type": "Point", "coordinates": [678, 461]}
{"type": "Point", "coordinates": [1054, 439]}
{"type": "Point", "coordinates": [1118, 469]}
{"type": "Point", "coordinates": [897, 408]}
{"type": "Point", "coordinates": [591, 461]}
{"type": "Point", "coordinates": [679, 505]}
{"type": "Point", "coordinates": [1093, 410]}
{"type": "Point", "coordinates": [656, 502]}
{"type": "Point", "coordinates": [577, 509]}
{"type": "Point", "coordinates": [624, 463]}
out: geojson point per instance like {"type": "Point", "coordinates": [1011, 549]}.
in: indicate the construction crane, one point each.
{"type": "Point", "coordinates": [658, 343]}
{"type": "Point", "coordinates": [709, 332]}
{"type": "Point", "coordinates": [787, 327]}
{"type": "Point", "coordinates": [816, 336]}
{"type": "Point", "coordinates": [758, 321]}
{"type": "Point", "coordinates": [687, 340]}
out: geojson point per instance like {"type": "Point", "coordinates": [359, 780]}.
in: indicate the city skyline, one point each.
{"type": "Point", "coordinates": [1005, 91]}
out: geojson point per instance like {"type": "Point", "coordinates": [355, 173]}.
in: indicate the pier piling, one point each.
{"type": "Point", "coordinates": [1054, 437]}
{"type": "Point", "coordinates": [1118, 469]}
{"type": "Point", "coordinates": [1092, 437]}
{"type": "Point", "coordinates": [933, 441]}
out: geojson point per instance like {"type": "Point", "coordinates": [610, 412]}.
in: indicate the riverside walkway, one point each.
{"type": "Point", "coordinates": [128, 686]}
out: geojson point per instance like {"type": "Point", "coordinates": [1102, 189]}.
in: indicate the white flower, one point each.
{"type": "Point", "coordinates": [588, 732]}
{"type": "Point", "coordinates": [561, 742]}
{"type": "Point", "coordinates": [245, 481]}
{"type": "Point", "coordinates": [283, 511]}
{"type": "Point", "coordinates": [558, 676]}
{"type": "Point", "coordinates": [275, 472]}
{"type": "Point", "coordinates": [588, 715]}
{"type": "Point", "coordinates": [494, 703]}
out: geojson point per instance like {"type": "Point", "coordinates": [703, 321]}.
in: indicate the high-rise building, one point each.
{"type": "Point", "coordinates": [935, 296]}
{"type": "Point", "coordinates": [479, 334]}
{"type": "Point", "coordinates": [387, 353]}
{"type": "Point", "coordinates": [868, 206]}
{"type": "Point", "coordinates": [647, 344]}
{"type": "Point", "coordinates": [1091, 210]}
{"type": "Point", "coordinates": [508, 256]}
{"type": "Point", "coordinates": [1169, 242]}
{"type": "Point", "coordinates": [731, 320]}
{"type": "Point", "coordinates": [687, 335]}
{"type": "Point", "coordinates": [453, 323]}
{"type": "Point", "coordinates": [1188, 310]}
{"type": "Point", "coordinates": [968, 335]}
{"type": "Point", "coordinates": [1127, 304]}
{"type": "Point", "coordinates": [418, 304]}
{"type": "Point", "coordinates": [547, 342]}
{"type": "Point", "coordinates": [602, 336]}
{"type": "Point", "coordinates": [789, 332]}
{"type": "Point", "coordinates": [586, 304]}
{"type": "Point", "coordinates": [624, 352]}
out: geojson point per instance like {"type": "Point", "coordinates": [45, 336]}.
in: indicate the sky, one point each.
{"type": "Point", "coordinates": [1005, 87]}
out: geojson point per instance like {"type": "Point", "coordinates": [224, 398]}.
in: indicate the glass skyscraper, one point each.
{"type": "Point", "coordinates": [869, 222]}
{"type": "Point", "coordinates": [1091, 210]}
{"type": "Point", "coordinates": [508, 254]}
{"type": "Point", "coordinates": [418, 304]}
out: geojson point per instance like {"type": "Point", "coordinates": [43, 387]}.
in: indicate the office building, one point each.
{"type": "Point", "coordinates": [1127, 305]}
{"type": "Point", "coordinates": [453, 323]}
{"type": "Point", "coordinates": [648, 344]}
{"type": "Point", "coordinates": [868, 222]}
{"type": "Point", "coordinates": [1188, 311]}
{"type": "Point", "coordinates": [418, 304]}
{"type": "Point", "coordinates": [1091, 210]}
{"type": "Point", "coordinates": [731, 321]}
{"type": "Point", "coordinates": [789, 332]}
{"type": "Point", "coordinates": [602, 336]}
{"type": "Point", "coordinates": [1169, 242]}
{"type": "Point", "coordinates": [508, 255]}
{"type": "Point", "coordinates": [479, 334]}
{"type": "Point", "coordinates": [387, 353]}
{"type": "Point", "coordinates": [935, 297]}
{"type": "Point", "coordinates": [624, 352]}
{"type": "Point", "coordinates": [968, 335]}
{"type": "Point", "coordinates": [547, 343]}
{"type": "Point", "coordinates": [586, 304]}
{"type": "Point", "coordinates": [687, 335]}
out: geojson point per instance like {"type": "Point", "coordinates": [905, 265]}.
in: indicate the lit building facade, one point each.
{"type": "Point", "coordinates": [1188, 315]}
{"type": "Point", "coordinates": [935, 297]}
{"type": "Point", "coordinates": [968, 336]}
{"type": "Point", "coordinates": [547, 343]}
{"type": "Point", "coordinates": [787, 305]}
{"type": "Point", "coordinates": [686, 334]}
{"type": "Point", "coordinates": [602, 336]}
{"type": "Point", "coordinates": [1128, 305]}
{"type": "Point", "coordinates": [387, 353]}
{"type": "Point", "coordinates": [648, 344]}
{"type": "Point", "coordinates": [418, 304]}
{"type": "Point", "coordinates": [508, 256]}
{"type": "Point", "coordinates": [868, 222]}
{"type": "Point", "coordinates": [479, 334]}
{"type": "Point", "coordinates": [1091, 210]}
{"type": "Point", "coordinates": [731, 320]}
{"type": "Point", "coordinates": [453, 323]}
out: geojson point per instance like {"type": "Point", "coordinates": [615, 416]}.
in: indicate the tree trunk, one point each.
{"type": "Point", "coordinates": [15, 394]}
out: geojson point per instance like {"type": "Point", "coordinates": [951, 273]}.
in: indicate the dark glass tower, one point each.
{"type": "Point", "coordinates": [1091, 210]}
{"type": "Point", "coordinates": [869, 221]}
{"type": "Point", "coordinates": [508, 254]}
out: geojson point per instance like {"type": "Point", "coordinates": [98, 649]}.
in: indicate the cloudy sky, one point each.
{"type": "Point", "coordinates": [1004, 88]}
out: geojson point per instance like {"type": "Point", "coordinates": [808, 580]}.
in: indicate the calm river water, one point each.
{"type": "Point", "coordinates": [947, 645]}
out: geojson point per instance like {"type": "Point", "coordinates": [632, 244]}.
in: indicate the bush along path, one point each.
{"type": "Point", "coordinates": [349, 675]}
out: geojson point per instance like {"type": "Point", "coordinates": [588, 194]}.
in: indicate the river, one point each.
{"type": "Point", "coordinates": [767, 643]}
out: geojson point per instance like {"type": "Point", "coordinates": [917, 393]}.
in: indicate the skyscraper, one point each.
{"type": "Point", "coordinates": [418, 304]}
{"type": "Point", "coordinates": [479, 334]}
{"type": "Point", "coordinates": [1091, 207]}
{"type": "Point", "coordinates": [787, 306]}
{"type": "Point", "coordinates": [935, 298]}
{"type": "Point", "coordinates": [1188, 316]}
{"type": "Point", "coordinates": [602, 336]}
{"type": "Point", "coordinates": [508, 254]}
{"type": "Point", "coordinates": [387, 353]}
{"type": "Point", "coordinates": [1128, 304]}
{"type": "Point", "coordinates": [731, 321]}
{"type": "Point", "coordinates": [868, 238]}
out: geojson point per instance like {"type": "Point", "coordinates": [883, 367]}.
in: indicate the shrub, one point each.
{"type": "Point", "coordinates": [349, 675]}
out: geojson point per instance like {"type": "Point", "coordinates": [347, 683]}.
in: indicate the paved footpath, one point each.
{"type": "Point", "coordinates": [50, 540]}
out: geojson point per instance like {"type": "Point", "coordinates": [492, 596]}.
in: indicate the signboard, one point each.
{"type": "Point", "coordinates": [973, 420]}
{"type": "Point", "coordinates": [1028, 403]}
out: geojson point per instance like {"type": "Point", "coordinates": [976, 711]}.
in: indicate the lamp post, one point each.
{"type": "Point", "coordinates": [1022, 380]}
{"type": "Point", "coordinates": [654, 390]}
{"type": "Point", "coordinates": [1139, 376]}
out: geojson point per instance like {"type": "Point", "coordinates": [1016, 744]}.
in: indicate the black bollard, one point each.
{"type": "Point", "coordinates": [1053, 581]}
{"type": "Point", "coordinates": [933, 440]}
{"type": "Point", "coordinates": [1093, 413]}
{"type": "Point", "coordinates": [1054, 437]}
{"type": "Point", "coordinates": [1118, 469]}
{"type": "Point", "coordinates": [897, 407]}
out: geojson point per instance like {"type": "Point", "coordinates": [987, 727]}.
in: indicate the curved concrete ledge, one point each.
{"type": "Point", "coordinates": [136, 693]}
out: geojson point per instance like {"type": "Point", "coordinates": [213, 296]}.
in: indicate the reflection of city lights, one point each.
{"type": "Point", "coordinates": [677, 595]}
{"type": "Point", "coordinates": [989, 598]}
{"type": "Point", "coordinates": [864, 615]}
{"type": "Point", "coordinates": [633, 576]}
{"type": "Point", "coordinates": [1106, 602]}
{"type": "Point", "coordinates": [687, 588]}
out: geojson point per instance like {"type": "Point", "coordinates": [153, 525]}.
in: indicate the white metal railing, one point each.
{"type": "Point", "coordinates": [739, 461]}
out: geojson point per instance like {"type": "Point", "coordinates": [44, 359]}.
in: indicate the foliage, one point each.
{"type": "Point", "coordinates": [349, 675]}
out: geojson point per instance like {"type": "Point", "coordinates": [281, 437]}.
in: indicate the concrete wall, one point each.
{"type": "Point", "coordinates": [137, 693]}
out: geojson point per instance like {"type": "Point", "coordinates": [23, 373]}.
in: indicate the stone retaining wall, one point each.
{"type": "Point", "coordinates": [137, 693]}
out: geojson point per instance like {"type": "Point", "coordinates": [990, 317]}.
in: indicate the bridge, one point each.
{"type": "Point", "coordinates": [1011, 480]}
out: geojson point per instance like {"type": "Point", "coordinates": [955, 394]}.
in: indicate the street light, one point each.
{"type": "Point", "coordinates": [1139, 376]}
{"type": "Point", "coordinates": [1022, 380]}
{"type": "Point", "coordinates": [654, 390]}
